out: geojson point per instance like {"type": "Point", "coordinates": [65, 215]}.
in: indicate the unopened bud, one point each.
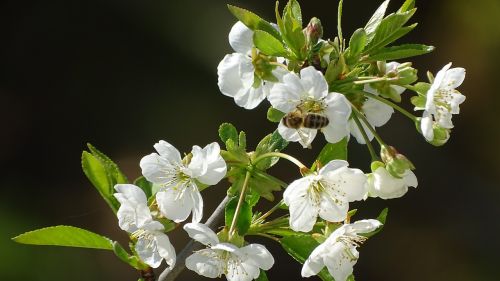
{"type": "Point", "coordinates": [313, 31]}
{"type": "Point", "coordinates": [441, 135]}
{"type": "Point", "coordinates": [396, 163]}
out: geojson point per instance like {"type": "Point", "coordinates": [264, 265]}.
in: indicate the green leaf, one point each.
{"type": "Point", "coordinates": [274, 115]}
{"type": "Point", "coordinates": [116, 175]}
{"type": "Point", "coordinates": [99, 177]}
{"type": "Point", "coordinates": [401, 52]}
{"type": "Point", "coordinates": [390, 29]}
{"type": "Point", "coordinates": [270, 143]}
{"type": "Point", "coordinates": [244, 218]}
{"type": "Point", "coordinates": [291, 29]}
{"type": "Point", "coordinates": [262, 276]}
{"type": "Point", "coordinates": [253, 21]}
{"type": "Point", "coordinates": [124, 256]}
{"type": "Point", "coordinates": [375, 20]}
{"type": "Point", "coordinates": [331, 151]}
{"type": "Point", "coordinates": [67, 236]}
{"type": "Point", "coordinates": [407, 5]}
{"type": "Point", "coordinates": [300, 247]}
{"type": "Point", "coordinates": [357, 44]}
{"type": "Point", "coordinates": [382, 217]}
{"type": "Point", "coordinates": [268, 44]}
{"type": "Point", "coordinates": [145, 185]}
{"type": "Point", "coordinates": [228, 132]}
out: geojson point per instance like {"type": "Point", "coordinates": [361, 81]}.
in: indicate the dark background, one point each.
{"type": "Point", "coordinates": [125, 74]}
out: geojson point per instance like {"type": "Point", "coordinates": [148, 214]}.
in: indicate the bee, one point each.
{"type": "Point", "coordinates": [297, 119]}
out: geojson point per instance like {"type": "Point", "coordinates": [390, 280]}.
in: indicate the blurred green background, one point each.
{"type": "Point", "coordinates": [125, 74]}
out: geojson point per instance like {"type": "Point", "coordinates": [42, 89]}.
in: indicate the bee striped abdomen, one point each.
{"type": "Point", "coordinates": [315, 121]}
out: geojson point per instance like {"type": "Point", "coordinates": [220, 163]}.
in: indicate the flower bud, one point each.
{"type": "Point", "coordinates": [396, 163]}
{"type": "Point", "coordinates": [313, 31]}
{"type": "Point", "coordinates": [407, 75]}
{"type": "Point", "coordinates": [441, 135]}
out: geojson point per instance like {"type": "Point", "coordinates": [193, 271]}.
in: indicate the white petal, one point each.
{"type": "Point", "coordinates": [387, 186]}
{"type": "Point", "coordinates": [127, 218]}
{"type": "Point", "coordinates": [314, 263]}
{"type": "Point", "coordinates": [241, 271]}
{"type": "Point", "coordinates": [351, 182]}
{"type": "Point", "coordinates": [356, 133]}
{"type": "Point", "coordinates": [215, 168]}
{"type": "Point", "coordinates": [228, 247]}
{"type": "Point", "coordinates": [197, 205]}
{"type": "Point", "coordinates": [168, 152]}
{"type": "Point", "coordinates": [174, 203]}
{"type": "Point", "coordinates": [129, 193]}
{"type": "Point", "coordinates": [241, 38]}
{"type": "Point", "coordinates": [165, 248]}
{"type": "Point", "coordinates": [147, 251]}
{"type": "Point", "coordinates": [454, 77]}
{"type": "Point", "coordinates": [259, 255]}
{"type": "Point", "coordinates": [204, 263]}
{"type": "Point", "coordinates": [338, 111]}
{"type": "Point", "coordinates": [339, 264]}
{"type": "Point", "coordinates": [426, 125]}
{"type": "Point", "coordinates": [235, 74]}
{"type": "Point", "coordinates": [201, 233]}
{"type": "Point", "coordinates": [333, 209]}
{"type": "Point", "coordinates": [304, 136]}
{"type": "Point", "coordinates": [376, 112]}
{"type": "Point", "coordinates": [365, 226]}
{"type": "Point", "coordinates": [410, 179]}
{"type": "Point", "coordinates": [251, 98]}
{"type": "Point", "coordinates": [156, 169]}
{"type": "Point", "coordinates": [333, 165]}
{"type": "Point", "coordinates": [285, 96]}
{"type": "Point", "coordinates": [303, 211]}
{"type": "Point", "coordinates": [133, 212]}
{"type": "Point", "coordinates": [314, 82]}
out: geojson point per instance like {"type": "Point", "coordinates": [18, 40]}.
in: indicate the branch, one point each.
{"type": "Point", "coordinates": [169, 274]}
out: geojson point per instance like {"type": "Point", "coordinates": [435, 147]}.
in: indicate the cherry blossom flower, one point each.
{"type": "Point", "coordinates": [326, 194]}
{"type": "Point", "coordinates": [382, 184]}
{"type": "Point", "coordinates": [134, 216]}
{"type": "Point", "coordinates": [179, 195]}
{"type": "Point", "coordinates": [338, 253]}
{"type": "Point", "coordinates": [237, 264]}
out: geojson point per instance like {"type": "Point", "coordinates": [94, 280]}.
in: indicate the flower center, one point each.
{"type": "Point", "coordinates": [145, 235]}
{"type": "Point", "coordinates": [350, 242]}
{"type": "Point", "coordinates": [311, 105]}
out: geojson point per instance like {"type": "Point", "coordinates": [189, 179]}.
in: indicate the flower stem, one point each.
{"type": "Point", "coordinates": [391, 104]}
{"type": "Point", "coordinates": [268, 213]}
{"type": "Point", "coordinates": [267, 176]}
{"type": "Point", "coordinates": [368, 125]}
{"type": "Point", "coordinates": [240, 203]}
{"type": "Point", "coordinates": [280, 155]}
{"type": "Point", "coordinates": [373, 154]}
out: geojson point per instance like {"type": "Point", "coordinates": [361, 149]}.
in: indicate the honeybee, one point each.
{"type": "Point", "coordinates": [297, 119]}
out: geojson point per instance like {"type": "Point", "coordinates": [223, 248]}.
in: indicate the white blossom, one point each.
{"type": "Point", "coordinates": [237, 264]}
{"type": "Point", "coordinates": [134, 216]}
{"type": "Point", "coordinates": [326, 193]}
{"type": "Point", "coordinates": [236, 71]}
{"type": "Point", "coordinates": [179, 195]}
{"type": "Point", "coordinates": [442, 100]}
{"type": "Point", "coordinates": [338, 253]}
{"type": "Point", "coordinates": [382, 184]}
{"type": "Point", "coordinates": [309, 94]}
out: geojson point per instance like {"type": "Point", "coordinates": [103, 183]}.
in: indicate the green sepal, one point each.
{"type": "Point", "coordinates": [66, 236]}
{"type": "Point", "coordinates": [400, 52]}
{"type": "Point", "coordinates": [418, 101]}
{"type": "Point", "coordinates": [228, 132]}
{"type": "Point", "coordinates": [244, 218]}
{"type": "Point", "coordinates": [131, 260]}
{"type": "Point", "coordinates": [262, 276]}
{"type": "Point", "coordinates": [335, 69]}
{"type": "Point", "coordinates": [422, 88]}
{"type": "Point", "coordinates": [253, 21]}
{"type": "Point", "coordinates": [268, 44]}
{"type": "Point", "coordinates": [331, 151]}
{"type": "Point", "coordinates": [275, 115]}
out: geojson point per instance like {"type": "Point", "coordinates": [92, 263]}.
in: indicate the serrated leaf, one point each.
{"type": "Point", "coordinates": [331, 151]}
{"type": "Point", "coordinates": [274, 115]}
{"type": "Point", "coordinates": [228, 132]}
{"type": "Point", "coordinates": [357, 42]}
{"type": "Point", "coordinates": [400, 52]}
{"type": "Point", "coordinates": [115, 172]}
{"type": "Point", "coordinates": [291, 29]}
{"type": "Point", "coordinates": [375, 20]}
{"type": "Point", "coordinates": [67, 236]}
{"type": "Point", "coordinates": [390, 29]}
{"type": "Point", "coordinates": [300, 247]}
{"type": "Point", "coordinates": [98, 176]}
{"type": "Point", "coordinates": [270, 143]}
{"type": "Point", "coordinates": [253, 21]}
{"type": "Point", "coordinates": [244, 218]}
{"type": "Point", "coordinates": [268, 44]}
